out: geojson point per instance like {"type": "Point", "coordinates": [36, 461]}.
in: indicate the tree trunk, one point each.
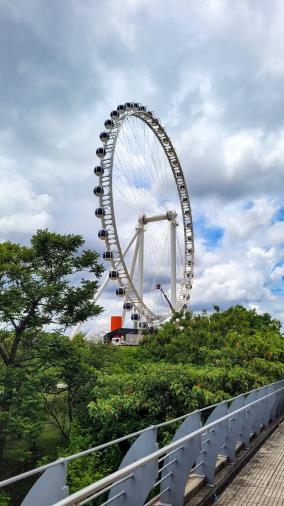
{"type": "Point", "coordinates": [3, 428]}
{"type": "Point", "coordinates": [5, 406]}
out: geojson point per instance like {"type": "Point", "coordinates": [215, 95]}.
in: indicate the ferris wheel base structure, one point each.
{"type": "Point", "coordinates": [138, 159]}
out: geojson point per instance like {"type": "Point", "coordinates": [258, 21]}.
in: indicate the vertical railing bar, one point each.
{"type": "Point", "coordinates": [113, 498]}
{"type": "Point", "coordinates": [170, 453]}
{"type": "Point", "coordinates": [167, 465]}
{"type": "Point", "coordinates": [106, 489]}
{"type": "Point", "coordinates": [154, 499]}
{"type": "Point", "coordinates": [162, 479]}
{"type": "Point", "coordinates": [195, 467]}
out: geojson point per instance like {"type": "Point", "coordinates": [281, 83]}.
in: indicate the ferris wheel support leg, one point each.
{"type": "Point", "coordinates": [123, 316]}
{"type": "Point", "coordinates": [134, 259]}
{"type": "Point", "coordinates": [79, 325]}
{"type": "Point", "coordinates": [173, 226]}
{"type": "Point", "coordinates": [135, 256]}
{"type": "Point", "coordinates": [104, 284]}
{"type": "Point", "coordinates": [141, 261]}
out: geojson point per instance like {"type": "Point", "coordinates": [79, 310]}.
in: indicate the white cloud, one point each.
{"type": "Point", "coordinates": [22, 209]}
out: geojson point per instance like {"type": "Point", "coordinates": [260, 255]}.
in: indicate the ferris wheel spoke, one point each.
{"type": "Point", "coordinates": [158, 173]}
{"type": "Point", "coordinates": [148, 163]}
{"type": "Point", "coordinates": [129, 199]}
{"type": "Point", "coordinates": [129, 195]}
{"type": "Point", "coordinates": [128, 181]}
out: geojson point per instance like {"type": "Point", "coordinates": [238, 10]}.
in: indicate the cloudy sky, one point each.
{"type": "Point", "coordinates": [213, 72]}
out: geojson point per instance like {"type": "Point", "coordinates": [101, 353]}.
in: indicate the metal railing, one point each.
{"type": "Point", "coordinates": [194, 448]}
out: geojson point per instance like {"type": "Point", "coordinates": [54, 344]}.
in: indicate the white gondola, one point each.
{"type": "Point", "coordinates": [135, 317]}
{"type": "Point", "coordinates": [107, 255]}
{"type": "Point", "coordinates": [98, 191]}
{"type": "Point", "coordinates": [114, 115]}
{"type": "Point", "coordinates": [100, 212]}
{"type": "Point", "coordinates": [99, 170]}
{"type": "Point", "coordinates": [103, 234]}
{"type": "Point", "coordinates": [120, 292]}
{"type": "Point", "coordinates": [109, 124]}
{"type": "Point", "coordinates": [127, 306]}
{"type": "Point", "coordinates": [113, 274]}
{"type": "Point", "coordinates": [104, 136]}
{"type": "Point", "coordinates": [101, 152]}
{"type": "Point", "coordinates": [143, 325]}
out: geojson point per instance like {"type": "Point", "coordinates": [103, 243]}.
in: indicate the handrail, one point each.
{"type": "Point", "coordinates": [121, 473]}
{"type": "Point", "coordinates": [61, 460]}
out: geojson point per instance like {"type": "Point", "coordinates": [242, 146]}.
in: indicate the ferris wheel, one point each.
{"type": "Point", "coordinates": [145, 215]}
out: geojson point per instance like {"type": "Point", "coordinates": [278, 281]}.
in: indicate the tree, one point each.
{"type": "Point", "coordinates": [66, 387]}
{"type": "Point", "coordinates": [42, 286]}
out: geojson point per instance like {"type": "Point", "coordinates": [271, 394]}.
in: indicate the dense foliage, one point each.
{"type": "Point", "coordinates": [59, 396]}
{"type": "Point", "coordinates": [44, 288]}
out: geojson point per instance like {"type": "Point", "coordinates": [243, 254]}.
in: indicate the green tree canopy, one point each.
{"type": "Point", "coordinates": [47, 285]}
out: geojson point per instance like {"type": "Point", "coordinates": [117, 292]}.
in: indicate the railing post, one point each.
{"type": "Point", "coordinates": [233, 430]}
{"type": "Point", "coordinates": [136, 489]}
{"type": "Point", "coordinates": [178, 465]}
{"type": "Point", "coordinates": [211, 443]}
{"type": "Point", "coordinates": [250, 424]}
{"type": "Point", "coordinates": [49, 488]}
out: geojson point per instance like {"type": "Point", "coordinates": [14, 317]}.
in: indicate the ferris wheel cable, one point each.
{"type": "Point", "coordinates": [155, 174]}
{"type": "Point", "coordinates": [126, 194]}
{"type": "Point", "coordinates": [120, 155]}
{"type": "Point", "coordinates": [141, 192]}
{"type": "Point", "coordinates": [122, 203]}
{"type": "Point", "coordinates": [131, 195]}
{"type": "Point", "coordinates": [162, 246]}
{"type": "Point", "coordinates": [130, 153]}
{"type": "Point", "coordinates": [142, 174]}
{"type": "Point", "coordinates": [162, 160]}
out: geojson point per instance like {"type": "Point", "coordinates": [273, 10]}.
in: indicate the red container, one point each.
{"type": "Point", "coordinates": [115, 323]}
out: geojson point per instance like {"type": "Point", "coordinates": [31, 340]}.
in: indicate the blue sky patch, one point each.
{"type": "Point", "coordinates": [279, 215]}
{"type": "Point", "coordinates": [211, 235]}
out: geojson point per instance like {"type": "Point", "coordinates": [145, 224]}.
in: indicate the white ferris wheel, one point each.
{"type": "Point", "coordinates": [145, 215]}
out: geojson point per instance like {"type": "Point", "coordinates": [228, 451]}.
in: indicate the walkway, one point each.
{"type": "Point", "coordinates": [261, 481]}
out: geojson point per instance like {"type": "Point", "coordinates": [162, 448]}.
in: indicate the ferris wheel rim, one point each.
{"type": "Point", "coordinates": [109, 223]}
